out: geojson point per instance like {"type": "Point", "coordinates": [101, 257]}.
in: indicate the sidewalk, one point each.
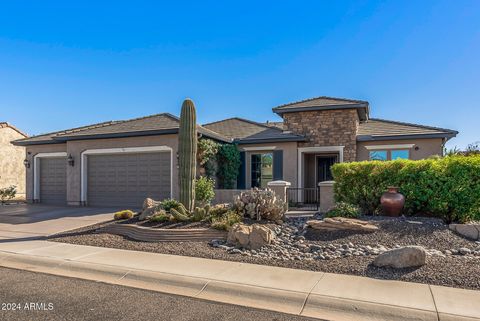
{"type": "Point", "coordinates": [314, 294]}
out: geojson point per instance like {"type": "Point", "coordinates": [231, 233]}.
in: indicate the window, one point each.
{"type": "Point", "coordinates": [384, 155]}
{"type": "Point", "coordinates": [381, 155]}
{"type": "Point", "coordinates": [261, 169]}
{"type": "Point", "coordinates": [400, 154]}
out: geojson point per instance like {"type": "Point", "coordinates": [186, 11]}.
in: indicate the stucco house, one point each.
{"type": "Point", "coordinates": [12, 171]}
{"type": "Point", "coordinates": [122, 162]}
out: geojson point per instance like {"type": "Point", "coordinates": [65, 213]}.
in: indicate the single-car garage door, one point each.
{"type": "Point", "coordinates": [127, 179]}
{"type": "Point", "coordinates": [53, 180]}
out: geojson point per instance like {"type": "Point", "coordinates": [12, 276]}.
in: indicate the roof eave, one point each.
{"type": "Point", "coordinates": [368, 138]}
{"type": "Point", "coordinates": [269, 140]}
{"type": "Point", "coordinates": [38, 142]}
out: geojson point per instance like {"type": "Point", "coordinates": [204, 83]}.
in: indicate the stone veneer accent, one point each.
{"type": "Point", "coordinates": [326, 128]}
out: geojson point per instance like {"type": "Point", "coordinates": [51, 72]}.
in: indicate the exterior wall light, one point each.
{"type": "Point", "coordinates": [70, 160]}
{"type": "Point", "coordinates": [26, 162]}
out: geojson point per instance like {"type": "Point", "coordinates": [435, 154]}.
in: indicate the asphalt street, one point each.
{"type": "Point", "coordinates": [34, 296]}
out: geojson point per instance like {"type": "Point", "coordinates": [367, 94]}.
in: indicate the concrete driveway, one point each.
{"type": "Point", "coordinates": [31, 221]}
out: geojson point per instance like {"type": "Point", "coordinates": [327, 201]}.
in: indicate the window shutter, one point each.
{"type": "Point", "coordinates": [277, 165]}
{"type": "Point", "coordinates": [242, 171]}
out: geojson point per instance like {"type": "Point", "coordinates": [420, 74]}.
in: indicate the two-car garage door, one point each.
{"type": "Point", "coordinates": [126, 179]}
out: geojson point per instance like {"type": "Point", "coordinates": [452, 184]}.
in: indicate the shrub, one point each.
{"type": "Point", "coordinates": [260, 204]}
{"type": "Point", "coordinates": [226, 220]}
{"type": "Point", "coordinates": [204, 190]}
{"type": "Point", "coordinates": [123, 215]}
{"type": "Point", "coordinates": [447, 188]}
{"type": "Point", "coordinates": [228, 165]}
{"type": "Point", "coordinates": [344, 210]}
{"type": "Point", "coordinates": [7, 193]}
{"type": "Point", "coordinates": [169, 203]}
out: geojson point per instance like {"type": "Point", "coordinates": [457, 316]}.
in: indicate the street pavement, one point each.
{"type": "Point", "coordinates": [47, 297]}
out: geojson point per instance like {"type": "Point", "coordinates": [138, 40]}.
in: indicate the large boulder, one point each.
{"type": "Point", "coordinates": [250, 237]}
{"type": "Point", "coordinates": [404, 257]}
{"type": "Point", "coordinates": [149, 208]}
{"type": "Point", "coordinates": [342, 224]}
{"type": "Point", "coordinates": [470, 231]}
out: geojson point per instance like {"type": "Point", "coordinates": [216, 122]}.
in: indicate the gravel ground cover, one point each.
{"type": "Point", "coordinates": [451, 260]}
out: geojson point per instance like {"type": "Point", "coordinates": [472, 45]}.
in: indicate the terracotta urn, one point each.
{"type": "Point", "coordinates": [392, 202]}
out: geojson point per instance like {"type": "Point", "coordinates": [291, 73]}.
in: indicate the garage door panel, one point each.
{"type": "Point", "coordinates": [127, 179]}
{"type": "Point", "coordinates": [53, 180]}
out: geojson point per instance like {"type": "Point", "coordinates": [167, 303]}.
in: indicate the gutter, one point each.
{"type": "Point", "coordinates": [369, 138]}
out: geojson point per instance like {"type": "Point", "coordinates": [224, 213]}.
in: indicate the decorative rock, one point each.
{"type": "Point", "coordinates": [342, 223]}
{"type": "Point", "coordinates": [464, 251]}
{"type": "Point", "coordinates": [149, 208]}
{"type": "Point", "coordinates": [471, 231]}
{"type": "Point", "coordinates": [404, 257]}
{"type": "Point", "coordinates": [250, 237]}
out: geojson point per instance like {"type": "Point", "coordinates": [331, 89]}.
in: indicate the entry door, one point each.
{"type": "Point", "coordinates": [324, 164]}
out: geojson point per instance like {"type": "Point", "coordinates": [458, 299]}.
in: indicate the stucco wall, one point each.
{"type": "Point", "coordinates": [31, 152]}
{"type": "Point", "coordinates": [326, 128]}
{"type": "Point", "coordinates": [12, 170]}
{"type": "Point", "coordinates": [75, 148]}
{"type": "Point", "coordinates": [426, 147]}
{"type": "Point", "coordinates": [289, 159]}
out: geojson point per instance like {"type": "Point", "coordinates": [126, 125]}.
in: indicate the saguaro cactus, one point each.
{"type": "Point", "coordinates": [187, 154]}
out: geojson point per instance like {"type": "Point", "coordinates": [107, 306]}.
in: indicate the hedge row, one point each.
{"type": "Point", "coordinates": [448, 188]}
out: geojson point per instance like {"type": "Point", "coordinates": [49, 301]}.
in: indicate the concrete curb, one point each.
{"type": "Point", "coordinates": [314, 302]}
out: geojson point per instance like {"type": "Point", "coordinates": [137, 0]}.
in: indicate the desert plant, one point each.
{"type": "Point", "coordinates": [7, 193]}
{"type": "Point", "coordinates": [123, 215]}
{"type": "Point", "coordinates": [200, 213]}
{"type": "Point", "coordinates": [226, 220]}
{"type": "Point", "coordinates": [161, 216]}
{"type": "Point", "coordinates": [204, 191]}
{"type": "Point", "coordinates": [179, 216]}
{"type": "Point", "coordinates": [260, 204]}
{"type": "Point", "coordinates": [447, 188]}
{"type": "Point", "coordinates": [344, 210]}
{"type": "Point", "coordinates": [187, 154]}
{"type": "Point", "coordinates": [169, 203]}
{"type": "Point", "coordinates": [228, 160]}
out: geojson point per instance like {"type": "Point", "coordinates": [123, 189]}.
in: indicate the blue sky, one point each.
{"type": "Point", "coordinates": [64, 65]}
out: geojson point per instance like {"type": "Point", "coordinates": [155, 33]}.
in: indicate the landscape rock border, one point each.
{"type": "Point", "coordinates": [148, 234]}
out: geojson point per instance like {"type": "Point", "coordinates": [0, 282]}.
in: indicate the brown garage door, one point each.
{"type": "Point", "coordinates": [53, 180]}
{"type": "Point", "coordinates": [127, 179]}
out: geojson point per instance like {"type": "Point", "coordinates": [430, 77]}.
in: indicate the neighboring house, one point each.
{"type": "Point", "coordinates": [122, 162]}
{"type": "Point", "coordinates": [12, 170]}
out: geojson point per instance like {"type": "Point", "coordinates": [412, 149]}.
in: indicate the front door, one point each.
{"type": "Point", "coordinates": [323, 167]}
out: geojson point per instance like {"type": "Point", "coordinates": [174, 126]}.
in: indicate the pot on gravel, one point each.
{"type": "Point", "coordinates": [392, 202]}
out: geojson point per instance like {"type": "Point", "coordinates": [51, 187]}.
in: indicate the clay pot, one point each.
{"type": "Point", "coordinates": [392, 202]}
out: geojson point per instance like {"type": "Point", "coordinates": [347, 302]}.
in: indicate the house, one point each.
{"type": "Point", "coordinates": [12, 171]}
{"type": "Point", "coordinates": [122, 162]}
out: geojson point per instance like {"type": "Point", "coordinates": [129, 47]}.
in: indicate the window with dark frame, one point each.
{"type": "Point", "coordinates": [261, 169]}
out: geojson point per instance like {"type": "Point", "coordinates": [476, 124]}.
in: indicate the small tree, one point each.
{"type": "Point", "coordinates": [7, 193]}
{"type": "Point", "coordinates": [204, 191]}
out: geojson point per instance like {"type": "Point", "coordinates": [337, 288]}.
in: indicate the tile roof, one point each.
{"type": "Point", "coordinates": [325, 103]}
{"type": "Point", "coordinates": [49, 138]}
{"type": "Point", "coordinates": [150, 125]}
{"type": "Point", "coordinates": [376, 128]}
{"type": "Point", "coordinates": [275, 124]}
{"type": "Point", "coordinates": [246, 131]}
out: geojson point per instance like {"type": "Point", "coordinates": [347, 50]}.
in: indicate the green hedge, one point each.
{"type": "Point", "coordinates": [447, 187]}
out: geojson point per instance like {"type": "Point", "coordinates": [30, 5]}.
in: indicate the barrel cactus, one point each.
{"type": "Point", "coordinates": [187, 154]}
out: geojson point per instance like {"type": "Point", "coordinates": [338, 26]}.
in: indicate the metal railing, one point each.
{"type": "Point", "coordinates": [303, 198]}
